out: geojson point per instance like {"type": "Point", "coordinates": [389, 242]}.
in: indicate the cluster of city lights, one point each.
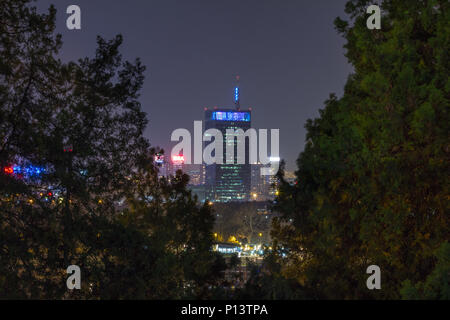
{"type": "Point", "coordinates": [29, 171]}
{"type": "Point", "coordinates": [246, 250]}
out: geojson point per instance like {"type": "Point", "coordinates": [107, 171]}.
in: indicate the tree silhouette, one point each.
{"type": "Point", "coordinates": [371, 186]}
{"type": "Point", "coordinates": [93, 198]}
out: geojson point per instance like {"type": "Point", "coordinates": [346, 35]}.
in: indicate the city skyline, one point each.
{"type": "Point", "coordinates": [193, 51]}
{"type": "Point", "coordinates": [92, 209]}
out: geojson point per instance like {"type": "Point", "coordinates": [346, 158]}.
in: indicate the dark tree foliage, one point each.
{"type": "Point", "coordinates": [97, 202]}
{"type": "Point", "coordinates": [245, 221]}
{"type": "Point", "coordinates": [373, 183]}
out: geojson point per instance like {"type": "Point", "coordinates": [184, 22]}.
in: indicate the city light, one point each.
{"type": "Point", "coordinates": [159, 158]}
{"type": "Point", "coordinates": [178, 158]}
{"type": "Point", "coordinates": [8, 170]}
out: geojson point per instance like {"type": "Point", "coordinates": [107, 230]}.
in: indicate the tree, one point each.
{"type": "Point", "coordinates": [436, 285]}
{"type": "Point", "coordinates": [371, 185]}
{"type": "Point", "coordinates": [243, 221]}
{"type": "Point", "coordinates": [97, 201]}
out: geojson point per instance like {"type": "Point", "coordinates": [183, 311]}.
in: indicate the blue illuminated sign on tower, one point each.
{"type": "Point", "coordinates": [231, 116]}
{"type": "Point", "coordinates": [227, 182]}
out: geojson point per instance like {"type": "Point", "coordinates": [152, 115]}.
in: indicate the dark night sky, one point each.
{"type": "Point", "coordinates": [287, 53]}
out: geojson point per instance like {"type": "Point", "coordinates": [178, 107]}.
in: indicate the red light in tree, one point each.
{"type": "Point", "coordinates": [8, 170]}
{"type": "Point", "coordinates": [49, 194]}
{"type": "Point", "coordinates": [68, 148]}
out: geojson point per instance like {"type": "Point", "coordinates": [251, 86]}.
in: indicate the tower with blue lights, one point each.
{"type": "Point", "coordinates": [229, 182]}
{"type": "Point", "coordinates": [237, 102]}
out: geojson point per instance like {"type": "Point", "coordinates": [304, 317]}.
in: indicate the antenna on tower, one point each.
{"type": "Point", "coordinates": [237, 94]}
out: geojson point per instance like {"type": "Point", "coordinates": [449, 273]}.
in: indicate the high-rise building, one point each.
{"type": "Point", "coordinates": [177, 164]}
{"type": "Point", "coordinates": [229, 182]}
{"type": "Point", "coordinates": [257, 186]}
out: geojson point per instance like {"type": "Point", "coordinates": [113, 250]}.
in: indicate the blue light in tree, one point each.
{"type": "Point", "coordinates": [30, 171]}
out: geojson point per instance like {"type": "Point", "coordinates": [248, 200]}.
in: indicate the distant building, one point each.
{"type": "Point", "coordinates": [163, 165]}
{"type": "Point", "coordinates": [290, 177]}
{"type": "Point", "coordinates": [228, 182]}
{"type": "Point", "coordinates": [177, 164]}
{"type": "Point", "coordinates": [168, 168]}
{"type": "Point", "coordinates": [196, 184]}
{"type": "Point", "coordinates": [257, 184]}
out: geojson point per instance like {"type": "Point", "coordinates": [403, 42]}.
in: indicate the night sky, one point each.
{"type": "Point", "coordinates": [287, 53]}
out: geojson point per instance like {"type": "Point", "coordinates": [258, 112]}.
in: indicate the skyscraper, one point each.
{"type": "Point", "coordinates": [229, 182]}
{"type": "Point", "coordinates": [177, 164]}
{"type": "Point", "coordinates": [196, 173]}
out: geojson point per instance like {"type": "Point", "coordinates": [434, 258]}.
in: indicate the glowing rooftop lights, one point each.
{"type": "Point", "coordinates": [159, 159]}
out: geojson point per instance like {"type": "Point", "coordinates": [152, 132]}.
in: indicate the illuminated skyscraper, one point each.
{"type": "Point", "coordinates": [196, 174]}
{"type": "Point", "coordinates": [229, 182]}
{"type": "Point", "coordinates": [177, 164]}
